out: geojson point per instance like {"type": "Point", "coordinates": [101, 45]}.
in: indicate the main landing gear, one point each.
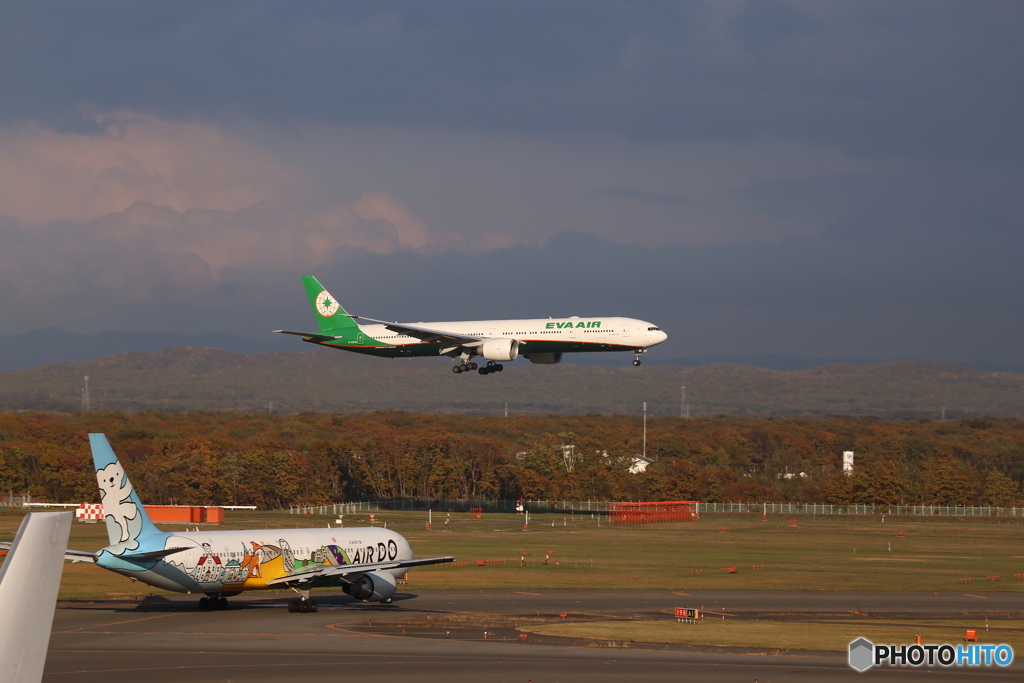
{"type": "Point", "coordinates": [638, 352]}
{"type": "Point", "coordinates": [491, 367]}
{"type": "Point", "coordinates": [470, 367]}
{"type": "Point", "coordinates": [303, 605]}
{"type": "Point", "coordinates": [463, 367]}
{"type": "Point", "coordinates": [213, 602]}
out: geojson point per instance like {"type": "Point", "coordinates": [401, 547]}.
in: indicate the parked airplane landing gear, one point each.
{"type": "Point", "coordinates": [303, 605]}
{"type": "Point", "coordinates": [213, 602]}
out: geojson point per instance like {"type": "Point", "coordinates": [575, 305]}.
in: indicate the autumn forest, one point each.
{"type": "Point", "coordinates": [273, 461]}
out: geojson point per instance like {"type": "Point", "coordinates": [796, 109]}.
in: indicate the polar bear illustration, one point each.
{"type": "Point", "coordinates": [116, 493]}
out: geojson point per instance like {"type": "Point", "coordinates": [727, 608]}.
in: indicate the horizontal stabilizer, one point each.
{"type": "Point", "coordinates": [79, 555]}
{"type": "Point", "coordinates": [311, 335]}
{"type": "Point", "coordinates": [150, 556]}
{"type": "Point", "coordinates": [340, 571]}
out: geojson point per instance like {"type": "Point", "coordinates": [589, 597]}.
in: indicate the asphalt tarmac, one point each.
{"type": "Point", "coordinates": [256, 639]}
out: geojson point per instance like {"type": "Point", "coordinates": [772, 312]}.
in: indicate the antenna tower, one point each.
{"type": "Point", "coordinates": [645, 429]}
{"type": "Point", "coordinates": [85, 396]}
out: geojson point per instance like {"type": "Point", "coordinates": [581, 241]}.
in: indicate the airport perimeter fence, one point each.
{"type": "Point", "coordinates": [828, 509]}
{"type": "Point", "coordinates": [453, 505]}
{"type": "Point", "coordinates": [603, 506]}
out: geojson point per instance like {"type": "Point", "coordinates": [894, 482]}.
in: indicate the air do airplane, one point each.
{"type": "Point", "coordinates": [540, 340]}
{"type": "Point", "coordinates": [363, 561]}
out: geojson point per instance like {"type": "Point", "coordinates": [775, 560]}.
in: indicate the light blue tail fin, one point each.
{"type": "Point", "coordinates": [125, 515]}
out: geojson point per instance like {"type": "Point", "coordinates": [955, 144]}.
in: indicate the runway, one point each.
{"type": "Point", "coordinates": [169, 639]}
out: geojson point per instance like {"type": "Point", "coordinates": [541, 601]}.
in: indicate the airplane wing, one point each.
{"type": "Point", "coordinates": [341, 571]}
{"type": "Point", "coordinates": [69, 554]}
{"type": "Point", "coordinates": [425, 333]}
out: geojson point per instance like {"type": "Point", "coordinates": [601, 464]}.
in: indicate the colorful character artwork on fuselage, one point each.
{"type": "Point", "coordinates": [253, 564]}
{"type": "Point", "coordinates": [363, 562]}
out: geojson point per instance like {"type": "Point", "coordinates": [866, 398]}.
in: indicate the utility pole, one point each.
{"type": "Point", "coordinates": [85, 396]}
{"type": "Point", "coordinates": [645, 429]}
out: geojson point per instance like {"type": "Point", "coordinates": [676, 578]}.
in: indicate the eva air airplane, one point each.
{"type": "Point", "coordinates": [541, 340]}
{"type": "Point", "coordinates": [363, 561]}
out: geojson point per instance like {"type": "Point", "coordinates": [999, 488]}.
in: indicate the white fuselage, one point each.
{"type": "Point", "coordinates": [624, 332]}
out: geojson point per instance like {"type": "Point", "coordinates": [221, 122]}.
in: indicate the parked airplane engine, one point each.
{"type": "Point", "coordinates": [500, 349]}
{"type": "Point", "coordinates": [545, 358]}
{"type": "Point", "coordinates": [372, 587]}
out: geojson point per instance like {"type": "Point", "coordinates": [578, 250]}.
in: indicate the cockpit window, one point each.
{"type": "Point", "coordinates": [653, 329]}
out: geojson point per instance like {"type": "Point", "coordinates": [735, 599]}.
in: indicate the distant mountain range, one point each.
{"type": "Point", "coordinates": [191, 378]}
{"type": "Point", "coordinates": [52, 345]}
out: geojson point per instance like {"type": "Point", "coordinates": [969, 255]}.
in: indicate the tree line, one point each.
{"type": "Point", "coordinates": [207, 458]}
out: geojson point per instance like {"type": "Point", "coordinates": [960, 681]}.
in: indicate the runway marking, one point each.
{"type": "Point", "coordinates": [304, 662]}
{"type": "Point", "coordinates": [337, 627]}
{"type": "Point", "coordinates": [679, 593]}
{"type": "Point", "coordinates": [972, 595]}
{"type": "Point", "coordinates": [118, 623]}
{"type": "Point", "coordinates": [205, 633]}
{"type": "Point", "coordinates": [522, 593]}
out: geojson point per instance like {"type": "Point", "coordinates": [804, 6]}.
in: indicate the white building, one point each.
{"type": "Point", "coordinates": [639, 464]}
{"type": "Point", "coordinates": [847, 462]}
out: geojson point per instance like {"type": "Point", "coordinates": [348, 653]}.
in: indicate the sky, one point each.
{"type": "Point", "coordinates": [814, 178]}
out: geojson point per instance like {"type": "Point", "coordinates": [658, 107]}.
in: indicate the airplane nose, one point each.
{"type": "Point", "coordinates": [657, 336]}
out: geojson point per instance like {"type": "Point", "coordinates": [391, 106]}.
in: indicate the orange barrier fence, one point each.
{"type": "Point", "coordinates": [192, 514]}
{"type": "Point", "coordinates": [653, 513]}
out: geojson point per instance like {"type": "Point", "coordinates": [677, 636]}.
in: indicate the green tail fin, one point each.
{"type": "Point", "coordinates": [330, 316]}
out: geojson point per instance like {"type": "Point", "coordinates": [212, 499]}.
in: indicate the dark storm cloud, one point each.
{"type": "Point", "coordinates": [926, 78]}
{"type": "Point", "coordinates": [855, 167]}
{"type": "Point", "coordinates": [640, 195]}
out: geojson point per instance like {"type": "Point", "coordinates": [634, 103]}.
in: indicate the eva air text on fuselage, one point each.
{"type": "Point", "coordinates": [552, 326]}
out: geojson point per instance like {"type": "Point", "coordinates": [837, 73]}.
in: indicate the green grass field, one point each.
{"type": "Point", "coordinates": [834, 553]}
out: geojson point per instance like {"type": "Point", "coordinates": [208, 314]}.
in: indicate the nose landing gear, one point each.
{"type": "Point", "coordinates": [636, 361]}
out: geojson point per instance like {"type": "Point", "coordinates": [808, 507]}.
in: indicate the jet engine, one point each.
{"type": "Point", "coordinates": [545, 358]}
{"type": "Point", "coordinates": [500, 349]}
{"type": "Point", "coordinates": [372, 587]}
